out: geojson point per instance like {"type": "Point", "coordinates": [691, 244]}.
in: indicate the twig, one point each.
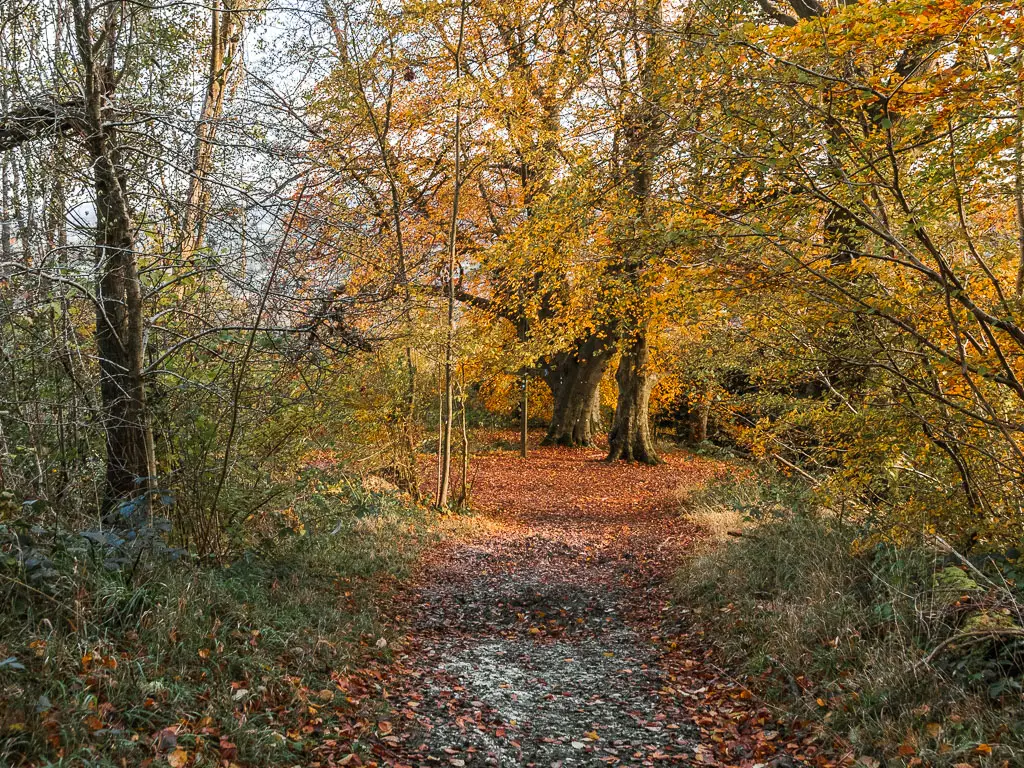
{"type": "Point", "coordinates": [974, 569]}
{"type": "Point", "coordinates": [21, 583]}
{"type": "Point", "coordinates": [794, 687]}
{"type": "Point", "coordinates": [972, 636]}
{"type": "Point", "coordinates": [795, 468]}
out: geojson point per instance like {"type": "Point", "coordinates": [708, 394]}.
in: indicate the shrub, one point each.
{"type": "Point", "coordinates": [96, 662]}
{"type": "Point", "coordinates": [904, 651]}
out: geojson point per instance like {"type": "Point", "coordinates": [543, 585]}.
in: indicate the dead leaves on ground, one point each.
{"type": "Point", "coordinates": [563, 531]}
{"type": "Point", "coordinates": [562, 517]}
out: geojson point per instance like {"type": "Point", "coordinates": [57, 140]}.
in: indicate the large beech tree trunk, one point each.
{"type": "Point", "coordinates": [630, 437]}
{"type": "Point", "coordinates": [575, 382]}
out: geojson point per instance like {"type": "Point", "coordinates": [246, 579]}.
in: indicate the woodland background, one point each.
{"type": "Point", "coordinates": [261, 261]}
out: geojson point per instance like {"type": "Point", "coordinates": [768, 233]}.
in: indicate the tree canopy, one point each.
{"type": "Point", "coordinates": [238, 236]}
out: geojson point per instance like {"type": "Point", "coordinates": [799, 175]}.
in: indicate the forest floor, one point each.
{"type": "Point", "coordinates": [546, 635]}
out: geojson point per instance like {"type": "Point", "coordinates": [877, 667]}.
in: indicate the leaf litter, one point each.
{"type": "Point", "coordinates": [547, 636]}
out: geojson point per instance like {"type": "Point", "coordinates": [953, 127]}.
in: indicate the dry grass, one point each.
{"type": "Point", "coordinates": [109, 658]}
{"type": "Point", "coordinates": [845, 628]}
{"type": "Point", "coordinates": [718, 523]}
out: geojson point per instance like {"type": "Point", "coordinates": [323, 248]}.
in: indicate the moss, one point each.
{"type": "Point", "coordinates": [952, 583]}
{"type": "Point", "coordinates": [986, 621]}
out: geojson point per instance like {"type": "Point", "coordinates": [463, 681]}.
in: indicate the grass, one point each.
{"type": "Point", "coordinates": [246, 662]}
{"type": "Point", "coordinates": [836, 626]}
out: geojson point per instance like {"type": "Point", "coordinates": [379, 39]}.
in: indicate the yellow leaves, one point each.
{"type": "Point", "coordinates": [177, 758]}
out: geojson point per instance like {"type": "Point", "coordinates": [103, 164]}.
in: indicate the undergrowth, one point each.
{"type": "Point", "coordinates": [910, 654]}
{"type": "Point", "coordinates": [210, 664]}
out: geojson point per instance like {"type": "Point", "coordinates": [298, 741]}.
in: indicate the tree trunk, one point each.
{"type": "Point", "coordinates": [120, 324]}
{"type": "Point", "coordinates": [131, 462]}
{"type": "Point", "coordinates": [700, 428]}
{"type": "Point", "coordinates": [596, 420]}
{"type": "Point", "coordinates": [464, 479]}
{"type": "Point", "coordinates": [5, 223]}
{"type": "Point", "coordinates": [448, 412]}
{"type": "Point", "coordinates": [119, 340]}
{"type": "Point", "coordinates": [1018, 186]}
{"type": "Point", "coordinates": [524, 418]}
{"type": "Point", "coordinates": [226, 27]}
{"type": "Point", "coordinates": [575, 381]}
{"type": "Point", "coordinates": [630, 437]}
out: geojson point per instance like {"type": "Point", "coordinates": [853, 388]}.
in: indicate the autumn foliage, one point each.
{"type": "Point", "coordinates": [253, 258]}
{"type": "Point", "coordinates": [796, 232]}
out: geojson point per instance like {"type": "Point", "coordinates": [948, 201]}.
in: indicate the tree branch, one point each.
{"type": "Point", "coordinates": [36, 121]}
{"type": "Point", "coordinates": [463, 296]}
{"type": "Point", "coordinates": [775, 14]}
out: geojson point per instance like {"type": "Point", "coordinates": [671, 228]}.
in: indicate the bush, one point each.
{"type": "Point", "coordinates": [243, 660]}
{"type": "Point", "coordinates": [892, 648]}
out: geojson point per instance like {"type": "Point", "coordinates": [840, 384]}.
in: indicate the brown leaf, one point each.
{"type": "Point", "coordinates": [228, 751]}
{"type": "Point", "coordinates": [166, 739]}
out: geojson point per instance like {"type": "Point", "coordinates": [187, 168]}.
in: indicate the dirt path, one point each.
{"type": "Point", "coordinates": [546, 637]}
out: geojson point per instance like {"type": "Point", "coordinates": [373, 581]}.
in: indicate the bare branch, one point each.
{"type": "Point", "coordinates": [37, 121]}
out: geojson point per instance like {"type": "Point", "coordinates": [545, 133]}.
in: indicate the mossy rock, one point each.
{"type": "Point", "coordinates": [984, 621]}
{"type": "Point", "coordinates": [951, 583]}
